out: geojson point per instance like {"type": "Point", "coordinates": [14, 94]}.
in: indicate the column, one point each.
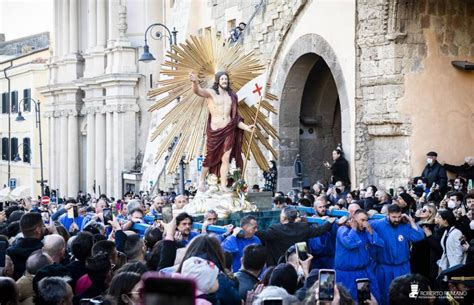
{"type": "Point", "coordinates": [57, 135]}
{"type": "Point", "coordinates": [91, 23]}
{"type": "Point", "coordinates": [100, 152]}
{"type": "Point", "coordinates": [117, 170]}
{"type": "Point", "coordinates": [101, 23]}
{"type": "Point", "coordinates": [90, 170]}
{"type": "Point", "coordinates": [63, 171]}
{"type": "Point", "coordinates": [51, 149]}
{"type": "Point", "coordinates": [57, 28]}
{"type": "Point", "coordinates": [113, 21]}
{"type": "Point", "coordinates": [73, 26]}
{"type": "Point", "coordinates": [109, 153]}
{"type": "Point", "coordinates": [73, 156]}
{"type": "Point", "coordinates": [65, 27]}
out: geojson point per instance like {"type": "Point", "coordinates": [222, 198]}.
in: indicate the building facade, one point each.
{"type": "Point", "coordinates": [96, 104]}
{"type": "Point", "coordinates": [22, 71]}
{"type": "Point", "coordinates": [375, 76]}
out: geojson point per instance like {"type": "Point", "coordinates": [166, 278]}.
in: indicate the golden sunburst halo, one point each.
{"type": "Point", "coordinates": [185, 123]}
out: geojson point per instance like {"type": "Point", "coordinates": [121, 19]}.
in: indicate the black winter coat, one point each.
{"type": "Point", "coordinates": [340, 171]}
{"type": "Point", "coordinates": [279, 237]}
{"type": "Point", "coordinates": [436, 173]}
{"type": "Point", "coordinates": [19, 253]}
{"type": "Point", "coordinates": [464, 170]}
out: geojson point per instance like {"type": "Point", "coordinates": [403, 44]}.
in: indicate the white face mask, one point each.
{"type": "Point", "coordinates": [456, 187]}
{"type": "Point", "coordinates": [472, 225]}
{"type": "Point", "coordinates": [451, 204]}
{"type": "Point", "coordinates": [429, 161]}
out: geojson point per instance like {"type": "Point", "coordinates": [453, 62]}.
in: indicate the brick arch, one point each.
{"type": "Point", "coordinates": [289, 75]}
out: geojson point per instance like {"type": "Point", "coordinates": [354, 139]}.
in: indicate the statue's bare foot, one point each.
{"type": "Point", "coordinates": [202, 186]}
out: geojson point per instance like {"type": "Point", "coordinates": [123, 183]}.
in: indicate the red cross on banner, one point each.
{"type": "Point", "coordinates": [257, 89]}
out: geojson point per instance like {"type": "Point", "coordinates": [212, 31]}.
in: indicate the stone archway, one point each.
{"type": "Point", "coordinates": [310, 63]}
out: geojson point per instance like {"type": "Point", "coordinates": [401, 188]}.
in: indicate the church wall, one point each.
{"type": "Point", "coordinates": [408, 96]}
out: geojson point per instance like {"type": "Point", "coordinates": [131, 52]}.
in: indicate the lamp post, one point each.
{"type": "Point", "coordinates": [147, 56]}
{"type": "Point", "coordinates": [20, 118]}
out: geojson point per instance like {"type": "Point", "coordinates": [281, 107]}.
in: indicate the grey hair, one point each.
{"type": "Point", "coordinates": [134, 204]}
{"type": "Point", "coordinates": [53, 289]}
{"type": "Point", "coordinates": [53, 244]}
{"type": "Point", "coordinates": [36, 261]}
{"type": "Point", "coordinates": [275, 292]}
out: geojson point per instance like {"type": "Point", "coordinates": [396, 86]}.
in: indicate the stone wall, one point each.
{"type": "Point", "coordinates": [391, 44]}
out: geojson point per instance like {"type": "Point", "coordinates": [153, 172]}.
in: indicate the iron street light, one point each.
{"type": "Point", "coordinates": [147, 56]}
{"type": "Point", "coordinates": [20, 118]}
{"type": "Point", "coordinates": [25, 149]}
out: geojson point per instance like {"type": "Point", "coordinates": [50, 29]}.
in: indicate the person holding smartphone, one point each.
{"type": "Point", "coordinates": [398, 231]}
{"type": "Point", "coordinates": [71, 220]}
{"type": "Point", "coordinates": [354, 243]}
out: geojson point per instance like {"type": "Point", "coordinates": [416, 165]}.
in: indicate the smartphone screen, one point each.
{"type": "Point", "coordinates": [165, 290]}
{"type": "Point", "coordinates": [3, 252]}
{"type": "Point", "coordinates": [302, 250]}
{"type": "Point", "coordinates": [363, 290]}
{"type": "Point", "coordinates": [272, 301]}
{"type": "Point", "coordinates": [72, 212]}
{"type": "Point", "coordinates": [1, 206]}
{"type": "Point", "coordinates": [107, 216]}
{"type": "Point", "coordinates": [167, 212]}
{"type": "Point", "coordinates": [45, 216]}
{"type": "Point", "coordinates": [327, 280]}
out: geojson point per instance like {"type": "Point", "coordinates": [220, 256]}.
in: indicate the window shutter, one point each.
{"type": "Point", "coordinates": [27, 100]}
{"type": "Point", "coordinates": [5, 149]}
{"type": "Point", "coordinates": [14, 101]}
{"type": "Point", "coordinates": [26, 150]}
{"type": "Point", "coordinates": [14, 148]}
{"type": "Point", "coordinates": [5, 102]}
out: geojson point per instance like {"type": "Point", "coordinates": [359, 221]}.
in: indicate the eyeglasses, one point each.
{"type": "Point", "coordinates": [211, 219]}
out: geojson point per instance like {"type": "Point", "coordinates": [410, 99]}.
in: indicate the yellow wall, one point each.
{"type": "Point", "coordinates": [440, 102]}
{"type": "Point", "coordinates": [27, 76]}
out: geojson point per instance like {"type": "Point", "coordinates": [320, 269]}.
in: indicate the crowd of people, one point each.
{"type": "Point", "coordinates": [88, 250]}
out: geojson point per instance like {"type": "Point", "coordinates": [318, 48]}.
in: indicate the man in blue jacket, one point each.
{"type": "Point", "coordinates": [394, 259]}
{"type": "Point", "coordinates": [354, 245]}
{"type": "Point", "coordinates": [236, 242]}
{"type": "Point", "coordinates": [323, 247]}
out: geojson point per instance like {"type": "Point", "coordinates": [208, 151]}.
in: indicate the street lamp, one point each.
{"type": "Point", "coordinates": [25, 149]}
{"type": "Point", "coordinates": [147, 56]}
{"type": "Point", "coordinates": [20, 118]}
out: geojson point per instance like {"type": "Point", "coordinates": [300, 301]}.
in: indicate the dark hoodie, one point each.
{"type": "Point", "coordinates": [20, 251]}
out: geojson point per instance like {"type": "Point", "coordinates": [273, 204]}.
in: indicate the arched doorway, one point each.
{"type": "Point", "coordinates": [320, 121]}
{"type": "Point", "coordinates": [314, 113]}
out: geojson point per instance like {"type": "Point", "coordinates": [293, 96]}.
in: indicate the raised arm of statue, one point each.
{"type": "Point", "coordinates": [197, 88]}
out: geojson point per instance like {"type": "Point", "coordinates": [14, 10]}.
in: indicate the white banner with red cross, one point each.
{"type": "Point", "coordinates": [252, 91]}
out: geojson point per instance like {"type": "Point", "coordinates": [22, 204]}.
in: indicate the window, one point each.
{"type": "Point", "coordinates": [230, 25]}
{"type": "Point", "coordinates": [26, 150]}
{"type": "Point", "coordinates": [27, 99]}
{"type": "Point", "coordinates": [5, 102]}
{"type": "Point", "coordinates": [14, 149]}
{"type": "Point", "coordinates": [14, 101]}
{"type": "Point", "coordinates": [5, 149]}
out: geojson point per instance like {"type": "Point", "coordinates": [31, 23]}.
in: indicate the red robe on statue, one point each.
{"type": "Point", "coordinates": [224, 139]}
